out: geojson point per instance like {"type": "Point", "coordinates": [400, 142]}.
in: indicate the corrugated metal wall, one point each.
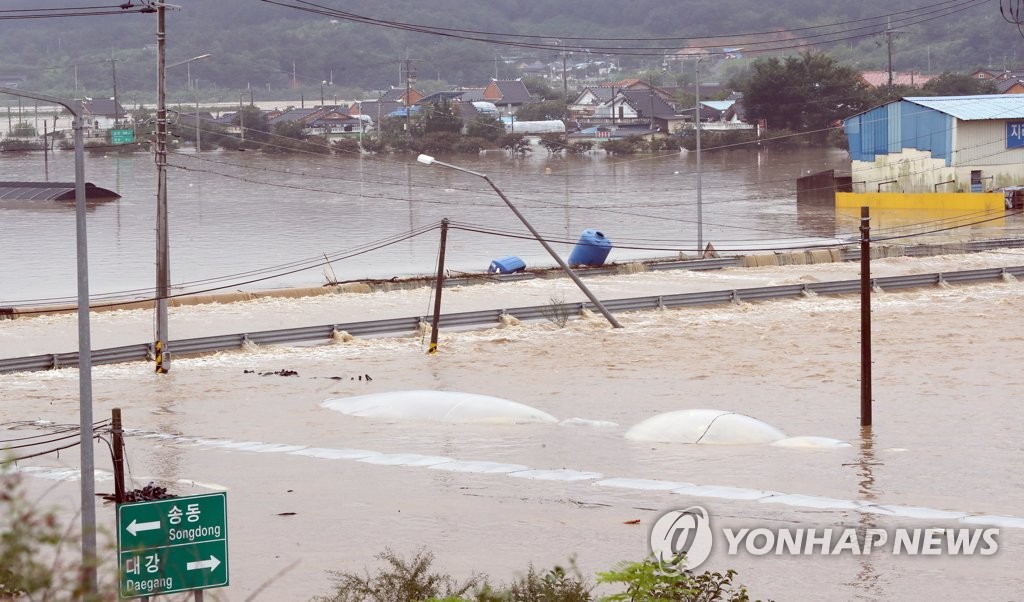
{"type": "Point", "coordinates": [984, 143]}
{"type": "Point", "coordinates": [928, 130]}
{"type": "Point", "coordinates": [892, 127]}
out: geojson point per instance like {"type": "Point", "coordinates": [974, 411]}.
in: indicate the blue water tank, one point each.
{"type": "Point", "coordinates": [506, 265]}
{"type": "Point", "coordinates": [592, 249]}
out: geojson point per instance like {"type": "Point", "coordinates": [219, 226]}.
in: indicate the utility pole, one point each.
{"type": "Point", "coordinates": [865, 317]}
{"type": "Point", "coordinates": [888, 43]}
{"type": "Point", "coordinates": [889, 33]}
{"type": "Point", "coordinates": [565, 84]}
{"type": "Point", "coordinates": [410, 78]}
{"type": "Point", "coordinates": [163, 275]}
{"type": "Point", "coordinates": [696, 127]}
{"type": "Point", "coordinates": [113, 74]}
{"type": "Point", "coordinates": [440, 283]}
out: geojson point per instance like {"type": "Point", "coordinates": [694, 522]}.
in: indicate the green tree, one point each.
{"type": "Point", "coordinates": [541, 88]}
{"type": "Point", "coordinates": [488, 127]}
{"type": "Point", "coordinates": [804, 93]}
{"type": "Point", "coordinates": [441, 117]}
{"type": "Point", "coordinates": [254, 123]}
{"type": "Point", "coordinates": [542, 111]}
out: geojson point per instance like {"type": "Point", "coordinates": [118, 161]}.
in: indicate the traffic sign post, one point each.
{"type": "Point", "coordinates": [122, 136]}
{"type": "Point", "coordinates": [172, 545]}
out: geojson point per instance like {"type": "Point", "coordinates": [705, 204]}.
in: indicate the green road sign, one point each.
{"type": "Point", "coordinates": [172, 545]}
{"type": "Point", "coordinates": [122, 136]}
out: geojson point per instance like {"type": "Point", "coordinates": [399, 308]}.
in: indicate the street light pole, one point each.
{"type": "Point", "coordinates": [322, 84]}
{"type": "Point", "coordinates": [87, 470]}
{"type": "Point", "coordinates": [428, 160]}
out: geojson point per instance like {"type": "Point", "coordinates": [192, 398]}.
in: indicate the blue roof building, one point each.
{"type": "Point", "coordinates": [938, 144]}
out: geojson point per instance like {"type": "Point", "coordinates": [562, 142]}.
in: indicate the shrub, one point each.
{"type": "Point", "coordinates": [374, 145]}
{"type": "Point", "coordinates": [623, 146]}
{"type": "Point", "coordinates": [346, 146]}
{"type": "Point", "coordinates": [554, 143]}
{"type": "Point", "coordinates": [514, 143]}
{"type": "Point", "coordinates": [32, 540]}
{"type": "Point", "coordinates": [650, 580]}
{"type": "Point", "coordinates": [399, 581]}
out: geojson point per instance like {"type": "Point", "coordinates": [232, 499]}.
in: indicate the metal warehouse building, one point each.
{"type": "Point", "coordinates": [938, 144]}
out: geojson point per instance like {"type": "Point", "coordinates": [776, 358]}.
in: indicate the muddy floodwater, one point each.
{"type": "Point", "coordinates": [311, 489]}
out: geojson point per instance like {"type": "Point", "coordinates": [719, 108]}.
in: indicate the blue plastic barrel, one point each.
{"type": "Point", "coordinates": [506, 265]}
{"type": "Point", "coordinates": [592, 249]}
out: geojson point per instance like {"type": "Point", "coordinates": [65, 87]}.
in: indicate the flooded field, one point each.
{"type": "Point", "coordinates": [311, 489]}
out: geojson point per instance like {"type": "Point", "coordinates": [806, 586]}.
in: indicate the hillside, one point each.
{"type": "Point", "coordinates": [274, 49]}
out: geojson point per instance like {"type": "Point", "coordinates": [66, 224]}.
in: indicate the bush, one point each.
{"type": "Point", "coordinates": [514, 143]}
{"type": "Point", "coordinates": [623, 146]}
{"type": "Point", "coordinates": [399, 581]}
{"type": "Point", "coordinates": [346, 146]}
{"type": "Point", "coordinates": [32, 540]}
{"type": "Point", "coordinates": [645, 581]}
{"type": "Point", "coordinates": [374, 145]}
{"type": "Point", "coordinates": [578, 148]}
{"type": "Point", "coordinates": [650, 580]}
{"type": "Point", "coordinates": [554, 143]}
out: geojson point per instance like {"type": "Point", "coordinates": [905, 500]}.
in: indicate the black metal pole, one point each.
{"type": "Point", "coordinates": [437, 293]}
{"type": "Point", "coordinates": [865, 317]}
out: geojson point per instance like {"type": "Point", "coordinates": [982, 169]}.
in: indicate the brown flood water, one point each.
{"type": "Point", "coordinates": [947, 434]}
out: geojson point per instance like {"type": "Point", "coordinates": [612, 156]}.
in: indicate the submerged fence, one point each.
{"type": "Point", "coordinates": [491, 317]}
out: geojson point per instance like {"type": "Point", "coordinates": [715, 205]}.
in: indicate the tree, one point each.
{"type": "Point", "coordinates": [541, 88]}
{"type": "Point", "coordinates": [542, 111]}
{"type": "Point", "coordinates": [955, 84]}
{"type": "Point", "coordinates": [488, 127]}
{"type": "Point", "coordinates": [805, 93]}
{"type": "Point", "coordinates": [255, 124]}
{"type": "Point", "coordinates": [441, 117]}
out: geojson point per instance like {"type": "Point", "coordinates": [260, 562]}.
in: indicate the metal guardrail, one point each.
{"type": "Point", "coordinates": [409, 325]}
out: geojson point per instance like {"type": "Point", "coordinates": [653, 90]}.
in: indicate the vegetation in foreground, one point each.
{"type": "Point", "coordinates": [37, 562]}
{"type": "Point", "coordinates": [415, 580]}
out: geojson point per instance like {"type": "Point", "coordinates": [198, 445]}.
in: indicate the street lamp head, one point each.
{"type": "Point", "coordinates": [425, 159]}
{"type": "Point", "coordinates": [202, 56]}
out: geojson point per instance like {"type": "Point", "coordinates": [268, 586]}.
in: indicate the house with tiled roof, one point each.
{"type": "Point", "coordinates": [507, 94]}
{"type": "Point", "coordinates": [398, 94]}
{"type": "Point", "coordinates": [633, 107]}
{"type": "Point", "coordinates": [103, 113]}
{"type": "Point", "coordinates": [1011, 86]}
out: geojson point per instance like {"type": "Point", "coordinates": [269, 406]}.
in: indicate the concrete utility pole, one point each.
{"type": "Point", "coordinates": [163, 274]}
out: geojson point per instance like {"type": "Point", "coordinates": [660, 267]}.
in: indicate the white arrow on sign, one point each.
{"type": "Point", "coordinates": [135, 527]}
{"type": "Point", "coordinates": [211, 564]}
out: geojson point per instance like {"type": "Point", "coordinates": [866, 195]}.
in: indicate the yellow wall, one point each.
{"type": "Point", "coordinates": [926, 201]}
{"type": "Point", "coordinates": [925, 210]}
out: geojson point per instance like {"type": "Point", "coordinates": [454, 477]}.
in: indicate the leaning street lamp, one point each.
{"type": "Point", "coordinates": [428, 160]}
{"type": "Point", "coordinates": [87, 470]}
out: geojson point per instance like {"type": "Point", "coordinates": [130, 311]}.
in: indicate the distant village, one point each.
{"type": "Point", "coordinates": [608, 110]}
